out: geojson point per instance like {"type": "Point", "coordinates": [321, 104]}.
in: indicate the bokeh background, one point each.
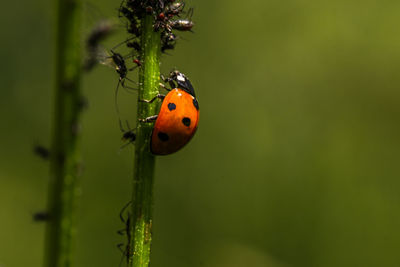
{"type": "Point", "coordinates": [295, 162]}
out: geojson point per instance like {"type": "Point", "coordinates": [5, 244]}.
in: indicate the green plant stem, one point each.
{"type": "Point", "coordinates": [142, 197]}
{"type": "Point", "coordinates": [65, 160]}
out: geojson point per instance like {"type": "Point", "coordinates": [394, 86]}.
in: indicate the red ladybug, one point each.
{"type": "Point", "coordinates": [177, 121]}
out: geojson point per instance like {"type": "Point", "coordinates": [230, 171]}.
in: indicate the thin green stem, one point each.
{"type": "Point", "coordinates": [142, 197]}
{"type": "Point", "coordinates": [65, 160]}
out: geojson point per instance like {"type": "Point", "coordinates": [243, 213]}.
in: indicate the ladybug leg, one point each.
{"type": "Point", "coordinates": [163, 86]}
{"type": "Point", "coordinates": [160, 96]}
{"type": "Point", "coordinates": [149, 119]}
{"type": "Point", "coordinates": [168, 79]}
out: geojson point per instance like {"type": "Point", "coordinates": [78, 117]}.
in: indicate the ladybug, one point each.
{"type": "Point", "coordinates": [177, 121]}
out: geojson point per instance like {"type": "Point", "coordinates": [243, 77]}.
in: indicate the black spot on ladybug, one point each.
{"type": "Point", "coordinates": [186, 121]}
{"type": "Point", "coordinates": [195, 103]}
{"type": "Point", "coordinates": [163, 136]}
{"type": "Point", "coordinates": [171, 106]}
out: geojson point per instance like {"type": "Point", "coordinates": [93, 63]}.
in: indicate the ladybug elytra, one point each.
{"type": "Point", "coordinates": [177, 121]}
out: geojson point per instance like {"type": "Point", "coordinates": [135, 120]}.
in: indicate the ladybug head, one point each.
{"type": "Point", "coordinates": [183, 82]}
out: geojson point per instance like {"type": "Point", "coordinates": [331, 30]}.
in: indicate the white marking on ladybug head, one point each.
{"type": "Point", "coordinates": [180, 77]}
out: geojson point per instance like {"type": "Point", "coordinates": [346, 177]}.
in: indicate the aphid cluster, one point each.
{"type": "Point", "coordinates": [165, 13]}
{"type": "Point", "coordinates": [167, 17]}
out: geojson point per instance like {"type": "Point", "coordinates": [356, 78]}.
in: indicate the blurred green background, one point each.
{"type": "Point", "coordinates": [295, 162]}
